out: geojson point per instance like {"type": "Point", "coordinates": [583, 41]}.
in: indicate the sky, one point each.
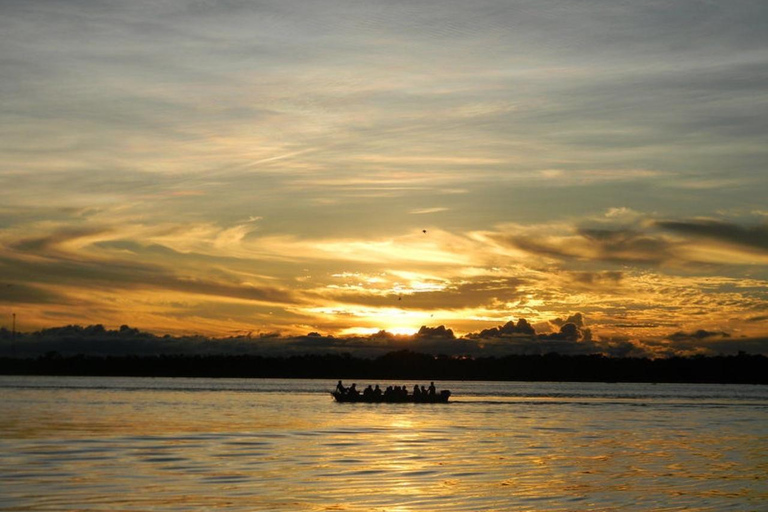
{"type": "Point", "coordinates": [345, 167]}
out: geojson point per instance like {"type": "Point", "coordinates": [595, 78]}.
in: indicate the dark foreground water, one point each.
{"type": "Point", "coordinates": [134, 444]}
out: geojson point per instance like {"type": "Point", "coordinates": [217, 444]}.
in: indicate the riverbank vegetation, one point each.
{"type": "Point", "coordinates": [406, 364]}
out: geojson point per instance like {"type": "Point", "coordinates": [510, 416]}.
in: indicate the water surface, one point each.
{"type": "Point", "coordinates": [138, 444]}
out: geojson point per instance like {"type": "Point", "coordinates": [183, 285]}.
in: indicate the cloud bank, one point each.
{"type": "Point", "coordinates": [511, 338]}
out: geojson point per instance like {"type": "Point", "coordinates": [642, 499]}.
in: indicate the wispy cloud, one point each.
{"type": "Point", "coordinates": [424, 211]}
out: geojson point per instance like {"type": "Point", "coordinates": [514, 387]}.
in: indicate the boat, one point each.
{"type": "Point", "coordinates": [438, 398]}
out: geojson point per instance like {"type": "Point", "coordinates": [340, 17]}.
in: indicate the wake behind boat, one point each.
{"type": "Point", "coordinates": [393, 394]}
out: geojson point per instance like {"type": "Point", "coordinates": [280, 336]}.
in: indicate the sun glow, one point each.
{"type": "Point", "coordinates": [366, 331]}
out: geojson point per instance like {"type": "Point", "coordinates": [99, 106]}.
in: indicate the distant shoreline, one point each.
{"type": "Point", "coordinates": [406, 365]}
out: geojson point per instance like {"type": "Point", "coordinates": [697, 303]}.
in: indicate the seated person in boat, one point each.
{"type": "Point", "coordinates": [368, 392]}
{"type": "Point", "coordinates": [431, 388]}
{"type": "Point", "coordinates": [341, 389]}
{"type": "Point", "coordinates": [353, 390]}
{"type": "Point", "coordinates": [416, 390]}
{"type": "Point", "coordinates": [377, 391]}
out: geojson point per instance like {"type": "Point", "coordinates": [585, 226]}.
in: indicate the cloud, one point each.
{"type": "Point", "coordinates": [703, 342]}
{"type": "Point", "coordinates": [429, 294]}
{"type": "Point", "coordinates": [576, 319]}
{"type": "Point", "coordinates": [732, 346]}
{"type": "Point", "coordinates": [510, 329]}
{"type": "Point", "coordinates": [216, 278]}
{"type": "Point", "coordinates": [14, 294]}
{"type": "Point", "coordinates": [614, 246]}
{"type": "Point", "coordinates": [754, 237]}
{"type": "Point", "coordinates": [435, 332]}
{"type": "Point", "coordinates": [423, 211]}
{"type": "Point", "coordinates": [596, 280]}
{"type": "Point", "coordinates": [645, 242]}
{"type": "Point", "coordinates": [67, 260]}
{"type": "Point", "coordinates": [511, 338]}
{"type": "Point", "coordinates": [58, 241]}
{"type": "Point", "coordinates": [700, 334]}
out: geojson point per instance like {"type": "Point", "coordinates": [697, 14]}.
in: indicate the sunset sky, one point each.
{"type": "Point", "coordinates": [349, 166]}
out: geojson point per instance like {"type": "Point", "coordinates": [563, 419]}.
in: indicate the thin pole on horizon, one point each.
{"type": "Point", "coordinates": [13, 336]}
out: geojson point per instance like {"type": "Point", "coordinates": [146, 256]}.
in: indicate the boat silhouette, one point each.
{"type": "Point", "coordinates": [426, 398]}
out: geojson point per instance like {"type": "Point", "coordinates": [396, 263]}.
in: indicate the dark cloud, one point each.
{"type": "Point", "coordinates": [521, 338]}
{"type": "Point", "coordinates": [732, 346]}
{"type": "Point", "coordinates": [700, 334]}
{"type": "Point", "coordinates": [567, 332]}
{"type": "Point", "coordinates": [17, 293]}
{"type": "Point", "coordinates": [597, 279]}
{"type": "Point", "coordinates": [755, 237]}
{"type": "Point", "coordinates": [637, 325]}
{"type": "Point", "coordinates": [637, 245]}
{"type": "Point", "coordinates": [571, 330]}
{"type": "Point", "coordinates": [614, 246]}
{"type": "Point", "coordinates": [626, 245]}
{"type": "Point", "coordinates": [570, 340]}
{"type": "Point", "coordinates": [435, 332]}
{"type": "Point", "coordinates": [521, 329]}
{"type": "Point", "coordinates": [540, 247]}
{"type": "Point", "coordinates": [577, 319]}
{"type": "Point", "coordinates": [702, 342]}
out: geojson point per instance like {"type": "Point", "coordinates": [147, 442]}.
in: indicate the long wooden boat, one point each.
{"type": "Point", "coordinates": [438, 398]}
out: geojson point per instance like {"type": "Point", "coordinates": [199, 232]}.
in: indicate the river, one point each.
{"type": "Point", "coordinates": [162, 444]}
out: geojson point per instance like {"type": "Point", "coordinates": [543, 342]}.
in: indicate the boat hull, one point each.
{"type": "Point", "coordinates": [440, 398]}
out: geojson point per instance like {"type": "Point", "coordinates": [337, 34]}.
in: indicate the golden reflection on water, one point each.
{"type": "Point", "coordinates": [209, 450]}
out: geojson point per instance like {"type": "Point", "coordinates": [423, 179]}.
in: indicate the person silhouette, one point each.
{"type": "Point", "coordinates": [341, 389]}
{"type": "Point", "coordinates": [431, 388]}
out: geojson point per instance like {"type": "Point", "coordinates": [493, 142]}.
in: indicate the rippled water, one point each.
{"type": "Point", "coordinates": [131, 444]}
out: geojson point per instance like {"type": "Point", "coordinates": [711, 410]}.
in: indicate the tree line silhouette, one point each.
{"type": "Point", "coordinates": [406, 365]}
